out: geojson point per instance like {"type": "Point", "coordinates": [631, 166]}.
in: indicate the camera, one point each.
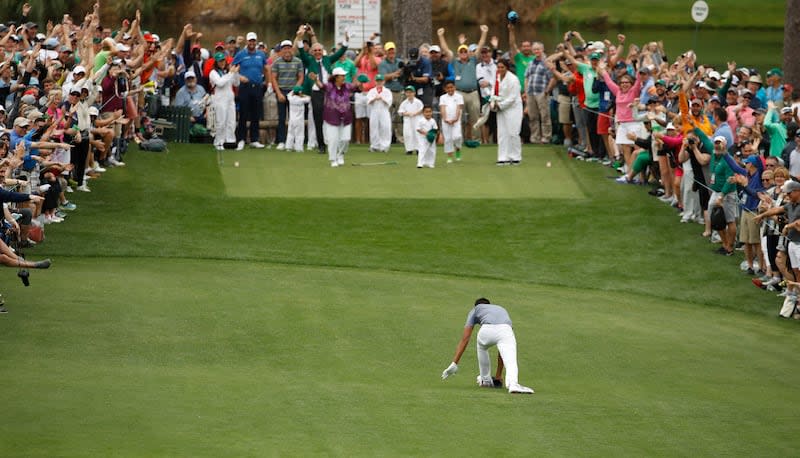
{"type": "Point", "coordinates": [570, 35]}
{"type": "Point", "coordinates": [24, 276]}
{"type": "Point", "coordinates": [691, 141]}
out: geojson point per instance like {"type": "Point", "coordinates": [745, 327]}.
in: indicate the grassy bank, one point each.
{"type": "Point", "coordinates": [730, 14]}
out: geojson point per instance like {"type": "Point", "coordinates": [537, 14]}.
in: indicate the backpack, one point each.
{"type": "Point", "coordinates": [153, 144]}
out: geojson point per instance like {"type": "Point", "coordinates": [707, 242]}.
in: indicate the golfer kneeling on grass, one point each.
{"type": "Point", "coordinates": [495, 330]}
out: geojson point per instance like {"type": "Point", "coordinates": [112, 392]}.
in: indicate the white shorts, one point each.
{"type": "Point", "coordinates": [622, 132]}
{"type": "Point", "coordinates": [794, 254]}
{"type": "Point", "coordinates": [361, 105]}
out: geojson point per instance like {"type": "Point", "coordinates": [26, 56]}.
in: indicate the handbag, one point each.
{"type": "Point", "coordinates": [717, 218]}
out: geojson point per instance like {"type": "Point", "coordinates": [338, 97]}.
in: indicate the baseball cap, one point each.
{"type": "Point", "coordinates": [286, 43]}
{"type": "Point", "coordinates": [774, 72]}
{"type": "Point", "coordinates": [251, 36]}
{"type": "Point", "coordinates": [75, 91]}
{"type": "Point", "coordinates": [122, 47]}
{"type": "Point", "coordinates": [473, 47]}
{"type": "Point", "coordinates": [79, 69]}
{"type": "Point", "coordinates": [31, 25]}
{"type": "Point", "coordinates": [410, 88]}
{"type": "Point", "coordinates": [230, 39]}
{"type": "Point", "coordinates": [93, 111]}
{"type": "Point", "coordinates": [753, 159]}
{"type": "Point", "coordinates": [714, 75]}
{"type": "Point", "coordinates": [33, 115]}
{"type": "Point", "coordinates": [595, 55]}
{"type": "Point", "coordinates": [786, 110]}
{"type": "Point", "coordinates": [720, 138]}
{"type": "Point", "coordinates": [389, 45]}
{"type": "Point", "coordinates": [219, 56]}
{"type": "Point", "coordinates": [463, 47]}
{"type": "Point", "coordinates": [788, 187]}
{"type": "Point", "coordinates": [670, 126]}
{"type": "Point", "coordinates": [338, 71]}
{"type": "Point", "coordinates": [755, 79]}
{"type": "Point", "coordinates": [696, 102]}
{"type": "Point", "coordinates": [219, 44]}
{"type": "Point", "coordinates": [297, 89]}
{"type": "Point", "coordinates": [714, 99]}
{"type": "Point", "coordinates": [21, 122]}
{"type": "Point", "coordinates": [661, 83]}
{"type": "Point", "coordinates": [435, 48]}
{"type": "Point", "coordinates": [189, 74]}
{"type": "Point", "coordinates": [379, 77]}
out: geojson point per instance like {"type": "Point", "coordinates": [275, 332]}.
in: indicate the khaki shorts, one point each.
{"type": "Point", "coordinates": [749, 230]}
{"type": "Point", "coordinates": [564, 109]}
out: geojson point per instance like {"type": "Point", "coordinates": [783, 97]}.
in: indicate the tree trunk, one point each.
{"type": "Point", "coordinates": [413, 23]}
{"type": "Point", "coordinates": [791, 44]}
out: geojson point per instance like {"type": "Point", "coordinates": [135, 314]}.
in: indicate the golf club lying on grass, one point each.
{"type": "Point", "coordinates": [375, 163]}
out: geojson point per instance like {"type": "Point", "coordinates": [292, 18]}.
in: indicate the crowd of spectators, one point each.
{"type": "Point", "coordinates": [718, 144]}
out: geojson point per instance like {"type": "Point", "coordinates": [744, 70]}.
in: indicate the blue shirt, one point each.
{"type": "Point", "coordinates": [251, 64]}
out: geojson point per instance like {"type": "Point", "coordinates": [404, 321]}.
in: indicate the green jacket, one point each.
{"type": "Point", "coordinates": [311, 65]}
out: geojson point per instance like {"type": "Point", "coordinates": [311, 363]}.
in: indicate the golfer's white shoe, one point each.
{"type": "Point", "coordinates": [519, 389]}
{"type": "Point", "coordinates": [485, 382]}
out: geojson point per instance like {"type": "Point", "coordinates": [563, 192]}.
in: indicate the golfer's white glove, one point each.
{"type": "Point", "coordinates": [451, 369]}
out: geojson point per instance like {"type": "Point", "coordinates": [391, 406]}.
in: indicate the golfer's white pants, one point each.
{"type": "Point", "coordinates": [224, 121]}
{"type": "Point", "coordinates": [509, 145]}
{"type": "Point", "coordinates": [337, 138]}
{"type": "Point", "coordinates": [503, 336]}
{"type": "Point", "coordinates": [452, 136]}
{"type": "Point", "coordinates": [380, 127]}
{"type": "Point", "coordinates": [409, 135]}
{"type": "Point", "coordinates": [426, 156]}
{"type": "Point", "coordinates": [296, 134]}
{"type": "Point", "coordinates": [312, 132]}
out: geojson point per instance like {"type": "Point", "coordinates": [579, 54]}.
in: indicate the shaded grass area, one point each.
{"type": "Point", "coordinates": [735, 14]}
{"type": "Point", "coordinates": [208, 358]}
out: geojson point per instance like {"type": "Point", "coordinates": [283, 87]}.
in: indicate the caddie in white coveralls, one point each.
{"type": "Point", "coordinates": [495, 330]}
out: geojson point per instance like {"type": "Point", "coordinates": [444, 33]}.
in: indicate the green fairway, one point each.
{"type": "Point", "coordinates": [193, 311]}
{"type": "Point", "coordinates": [378, 175]}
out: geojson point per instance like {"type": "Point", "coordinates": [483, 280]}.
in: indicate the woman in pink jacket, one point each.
{"type": "Point", "coordinates": [627, 90]}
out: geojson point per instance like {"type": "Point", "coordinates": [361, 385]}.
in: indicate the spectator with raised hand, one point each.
{"type": "Point", "coordinates": [791, 230]}
{"type": "Point", "coordinates": [748, 179]}
{"type": "Point", "coordinates": [771, 228]}
{"type": "Point", "coordinates": [337, 115]}
{"type": "Point", "coordinates": [315, 61]}
{"type": "Point", "coordinates": [775, 130]}
{"type": "Point", "coordinates": [465, 78]}
{"type": "Point", "coordinates": [625, 94]}
{"type": "Point", "coordinates": [592, 101]}
{"type": "Point", "coordinates": [223, 79]}
{"type": "Point", "coordinates": [564, 78]}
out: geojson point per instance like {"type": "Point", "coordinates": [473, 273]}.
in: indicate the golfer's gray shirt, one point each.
{"type": "Point", "coordinates": [487, 314]}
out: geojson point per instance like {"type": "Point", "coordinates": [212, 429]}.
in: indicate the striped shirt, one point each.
{"type": "Point", "coordinates": [286, 72]}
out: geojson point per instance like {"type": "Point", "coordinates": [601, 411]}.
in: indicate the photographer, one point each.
{"type": "Point", "coordinates": [417, 73]}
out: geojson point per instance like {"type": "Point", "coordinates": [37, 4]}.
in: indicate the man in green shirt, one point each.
{"type": "Point", "coordinates": [724, 193]}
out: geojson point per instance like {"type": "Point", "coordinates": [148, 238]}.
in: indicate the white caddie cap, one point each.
{"type": "Point", "coordinates": [251, 36]}
{"type": "Point", "coordinates": [286, 43]}
{"type": "Point", "coordinates": [338, 71]}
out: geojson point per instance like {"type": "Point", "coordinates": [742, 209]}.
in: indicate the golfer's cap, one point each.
{"type": "Point", "coordinates": [714, 75]}
{"type": "Point", "coordinates": [297, 89]}
{"type": "Point", "coordinates": [379, 77]}
{"type": "Point", "coordinates": [78, 69]}
{"type": "Point", "coordinates": [702, 85]}
{"type": "Point", "coordinates": [338, 71]}
{"type": "Point", "coordinates": [755, 79]}
{"type": "Point", "coordinates": [747, 91]}
{"type": "Point", "coordinates": [156, 38]}
{"type": "Point", "coordinates": [51, 43]}
{"type": "Point", "coordinates": [189, 74]}
{"type": "Point", "coordinates": [251, 36]}
{"type": "Point", "coordinates": [93, 111]}
{"type": "Point", "coordinates": [670, 126]}
{"type": "Point", "coordinates": [389, 45]}
{"type": "Point", "coordinates": [435, 48]}
{"type": "Point", "coordinates": [790, 186]}
{"type": "Point", "coordinates": [219, 44]}
{"type": "Point", "coordinates": [122, 47]}
{"type": "Point", "coordinates": [720, 139]}
{"type": "Point", "coordinates": [28, 99]}
{"type": "Point", "coordinates": [126, 36]}
{"type": "Point", "coordinates": [759, 111]}
{"type": "Point", "coordinates": [714, 99]}
{"type": "Point", "coordinates": [473, 47]}
{"type": "Point", "coordinates": [595, 56]}
{"type": "Point", "coordinates": [31, 25]}
{"type": "Point", "coordinates": [219, 56]}
{"type": "Point", "coordinates": [65, 48]}
{"type": "Point", "coordinates": [696, 102]}
{"type": "Point", "coordinates": [785, 110]}
{"type": "Point", "coordinates": [196, 47]}
{"type": "Point", "coordinates": [620, 64]}
{"type": "Point", "coordinates": [464, 47]}
{"type": "Point", "coordinates": [644, 69]}
{"type": "Point", "coordinates": [732, 89]}
{"type": "Point", "coordinates": [74, 91]}
{"type": "Point", "coordinates": [661, 83]}
{"type": "Point", "coordinates": [410, 88]}
{"type": "Point", "coordinates": [230, 39]}
{"type": "Point", "coordinates": [2, 108]}
{"type": "Point", "coordinates": [286, 43]}
{"type": "Point", "coordinates": [21, 122]}
{"type": "Point", "coordinates": [40, 37]}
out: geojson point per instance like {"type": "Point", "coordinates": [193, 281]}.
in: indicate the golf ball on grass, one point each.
{"type": "Point", "coordinates": [236, 164]}
{"type": "Point", "coordinates": [549, 164]}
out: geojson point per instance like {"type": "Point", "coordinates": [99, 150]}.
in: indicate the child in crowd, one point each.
{"type": "Point", "coordinates": [379, 99]}
{"type": "Point", "coordinates": [426, 146]}
{"type": "Point", "coordinates": [411, 110]}
{"type": "Point", "coordinates": [451, 104]}
{"type": "Point", "coordinates": [297, 116]}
